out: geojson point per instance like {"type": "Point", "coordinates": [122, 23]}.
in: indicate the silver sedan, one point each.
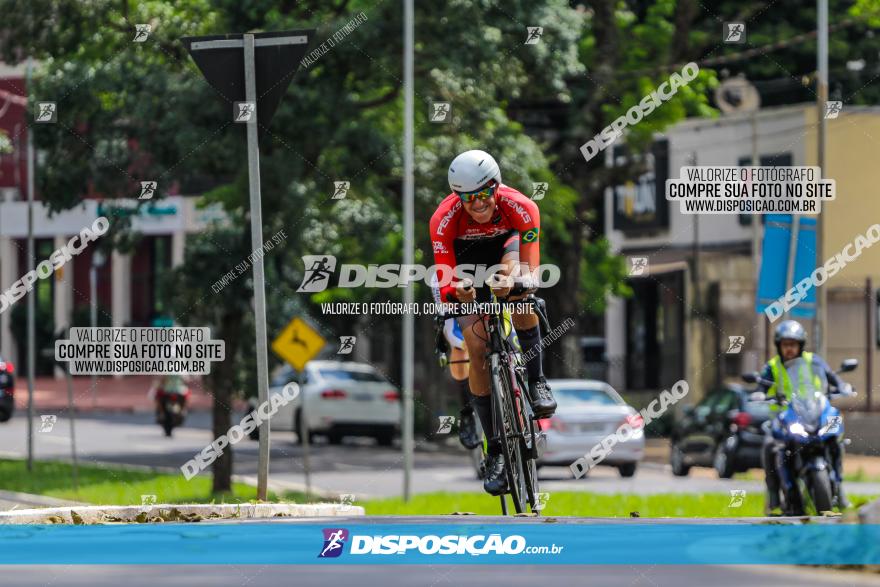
{"type": "Point", "coordinates": [590, 411]}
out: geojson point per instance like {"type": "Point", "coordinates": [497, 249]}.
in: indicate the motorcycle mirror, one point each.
{"type": "Point", "coordinates": [751, 377]}
{"type": "Point", "coordinates": [849, 365]}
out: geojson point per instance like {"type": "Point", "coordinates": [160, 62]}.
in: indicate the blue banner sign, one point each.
{"type": "Point", "coordinates": [774, 263]}
{"type": "Point", "coordinates": [344, 542]}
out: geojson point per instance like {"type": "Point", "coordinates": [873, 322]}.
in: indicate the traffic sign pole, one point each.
{"type": "Point", "coordinates": [268, 62]}
{"type": "Point", "coordinates": [298, 344]}
{"type": "Point", "coordinates": [303, 432]}
{"type": "Point", "coordinates": [253, 150]}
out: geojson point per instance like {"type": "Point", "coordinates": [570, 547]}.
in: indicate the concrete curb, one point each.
{"type": "Point", "coordinates": [99, 514]}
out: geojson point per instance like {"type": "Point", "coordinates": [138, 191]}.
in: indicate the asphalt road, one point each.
{"type": "Point", "coordinates": [367, 470]}
{"type": "Point", "coordinates": [358, 467]}
{"type": "Point", "coordinates": [432, 576]}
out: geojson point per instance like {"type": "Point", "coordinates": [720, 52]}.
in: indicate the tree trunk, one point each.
{"type": "Point", "coordinates": [222, 380]}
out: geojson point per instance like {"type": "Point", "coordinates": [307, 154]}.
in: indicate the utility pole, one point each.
{"type": "Point", "coordinates": [408, 191]}
{"type": "Point", "coordinates": [32, 294]}
{"type": "Point", "coordinates": [821, 99]}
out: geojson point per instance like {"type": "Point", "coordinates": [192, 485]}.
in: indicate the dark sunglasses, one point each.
{"type": "Point", "coordinates": [484, 193]}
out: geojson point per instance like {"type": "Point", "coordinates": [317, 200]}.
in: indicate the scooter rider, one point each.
{"type": "Point", "coordinates": [790, 338]}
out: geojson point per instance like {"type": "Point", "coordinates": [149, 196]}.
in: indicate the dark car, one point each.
{"type": "Point", "coordinates": [723, 431]}
{"type": "Point", "coordinates": [7, 390]}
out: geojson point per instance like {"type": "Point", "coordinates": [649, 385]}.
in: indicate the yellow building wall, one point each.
{"type": "Point", "coordinates": [852, 159]}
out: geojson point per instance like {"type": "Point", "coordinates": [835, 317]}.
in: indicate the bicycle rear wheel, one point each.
{"type": "Point", "coordinates": [529, 439]}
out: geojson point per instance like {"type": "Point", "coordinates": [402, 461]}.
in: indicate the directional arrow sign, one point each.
{"type": "Point", "coordinates": [277, 56]}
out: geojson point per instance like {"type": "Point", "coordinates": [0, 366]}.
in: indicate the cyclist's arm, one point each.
{"type": "Point", "coordinates": [529, 228]}
{"type": "Point", "coordinates": [442, 231]}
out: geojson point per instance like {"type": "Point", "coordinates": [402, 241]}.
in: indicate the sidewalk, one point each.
{"type": "Point", "coordinates": [124, 394]}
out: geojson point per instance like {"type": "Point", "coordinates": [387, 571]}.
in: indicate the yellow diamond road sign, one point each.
{"type": "Point", "coordinates": [298, 343]}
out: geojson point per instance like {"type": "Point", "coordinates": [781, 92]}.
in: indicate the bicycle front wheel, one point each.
{"type": "Point", "coordinates": [510, 434]}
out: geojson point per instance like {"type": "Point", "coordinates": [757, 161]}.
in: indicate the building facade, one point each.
{"type": "Point", "coordinates": [698, 285]}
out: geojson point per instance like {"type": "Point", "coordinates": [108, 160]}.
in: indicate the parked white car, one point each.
{"type": "Point", "coordinates": [342, 399]}
{"type": "Point", "coordinates": [587, 412]}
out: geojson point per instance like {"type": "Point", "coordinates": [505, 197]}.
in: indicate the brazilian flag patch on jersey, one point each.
{"type": "Point", "coordinates": [530, 236]}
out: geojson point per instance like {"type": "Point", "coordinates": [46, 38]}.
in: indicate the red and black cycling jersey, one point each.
{"type": "Point", "coordinates": [455, 234]}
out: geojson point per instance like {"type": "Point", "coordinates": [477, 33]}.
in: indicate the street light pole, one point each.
{"type": "Point", "coordinates": [98, 260]}
{"type": "Point", "coordinates": [408, 197]}
{"type": "Point", "coordinates": [32, 294]}
{"type": "Point", "coordinates": [821, 99]}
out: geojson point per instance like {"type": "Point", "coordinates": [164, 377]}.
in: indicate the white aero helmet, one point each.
{"type": "Point", "coordinates": [471, 170]}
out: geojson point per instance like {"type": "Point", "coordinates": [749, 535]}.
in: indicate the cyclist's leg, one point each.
{"type": "Point", "coordinates": [528, 331]}
{"type": "Point", "coordinates": [458, 368]}
{"type": "Point", "coordinates": [475, 337]}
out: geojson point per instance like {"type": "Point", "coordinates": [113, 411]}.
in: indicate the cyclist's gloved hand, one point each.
{"type": "Point", "coordinates": [464, 291]}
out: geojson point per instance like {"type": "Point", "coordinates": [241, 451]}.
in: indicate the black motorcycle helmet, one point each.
{"type": "Point", "coordinates": [791, 330]}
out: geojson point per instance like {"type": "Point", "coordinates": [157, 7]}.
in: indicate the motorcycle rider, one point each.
{"type": "Point", "coordinates": [790, 339]}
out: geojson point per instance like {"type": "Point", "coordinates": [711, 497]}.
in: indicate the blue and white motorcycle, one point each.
{"type": "Point", "coordinates": [809, 432]}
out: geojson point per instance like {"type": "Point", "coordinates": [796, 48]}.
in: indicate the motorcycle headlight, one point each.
{"type": "Point", "coordinates": [797, 428]}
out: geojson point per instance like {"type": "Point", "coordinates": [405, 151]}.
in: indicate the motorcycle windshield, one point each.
{"type": "Point", "coordinates": [809, 386]}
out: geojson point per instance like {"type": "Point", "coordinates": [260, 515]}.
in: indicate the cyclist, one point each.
{"type": "Point", "coordinates": [483, 223]}
{"type": "Point", "coordinates": [790, 339]}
